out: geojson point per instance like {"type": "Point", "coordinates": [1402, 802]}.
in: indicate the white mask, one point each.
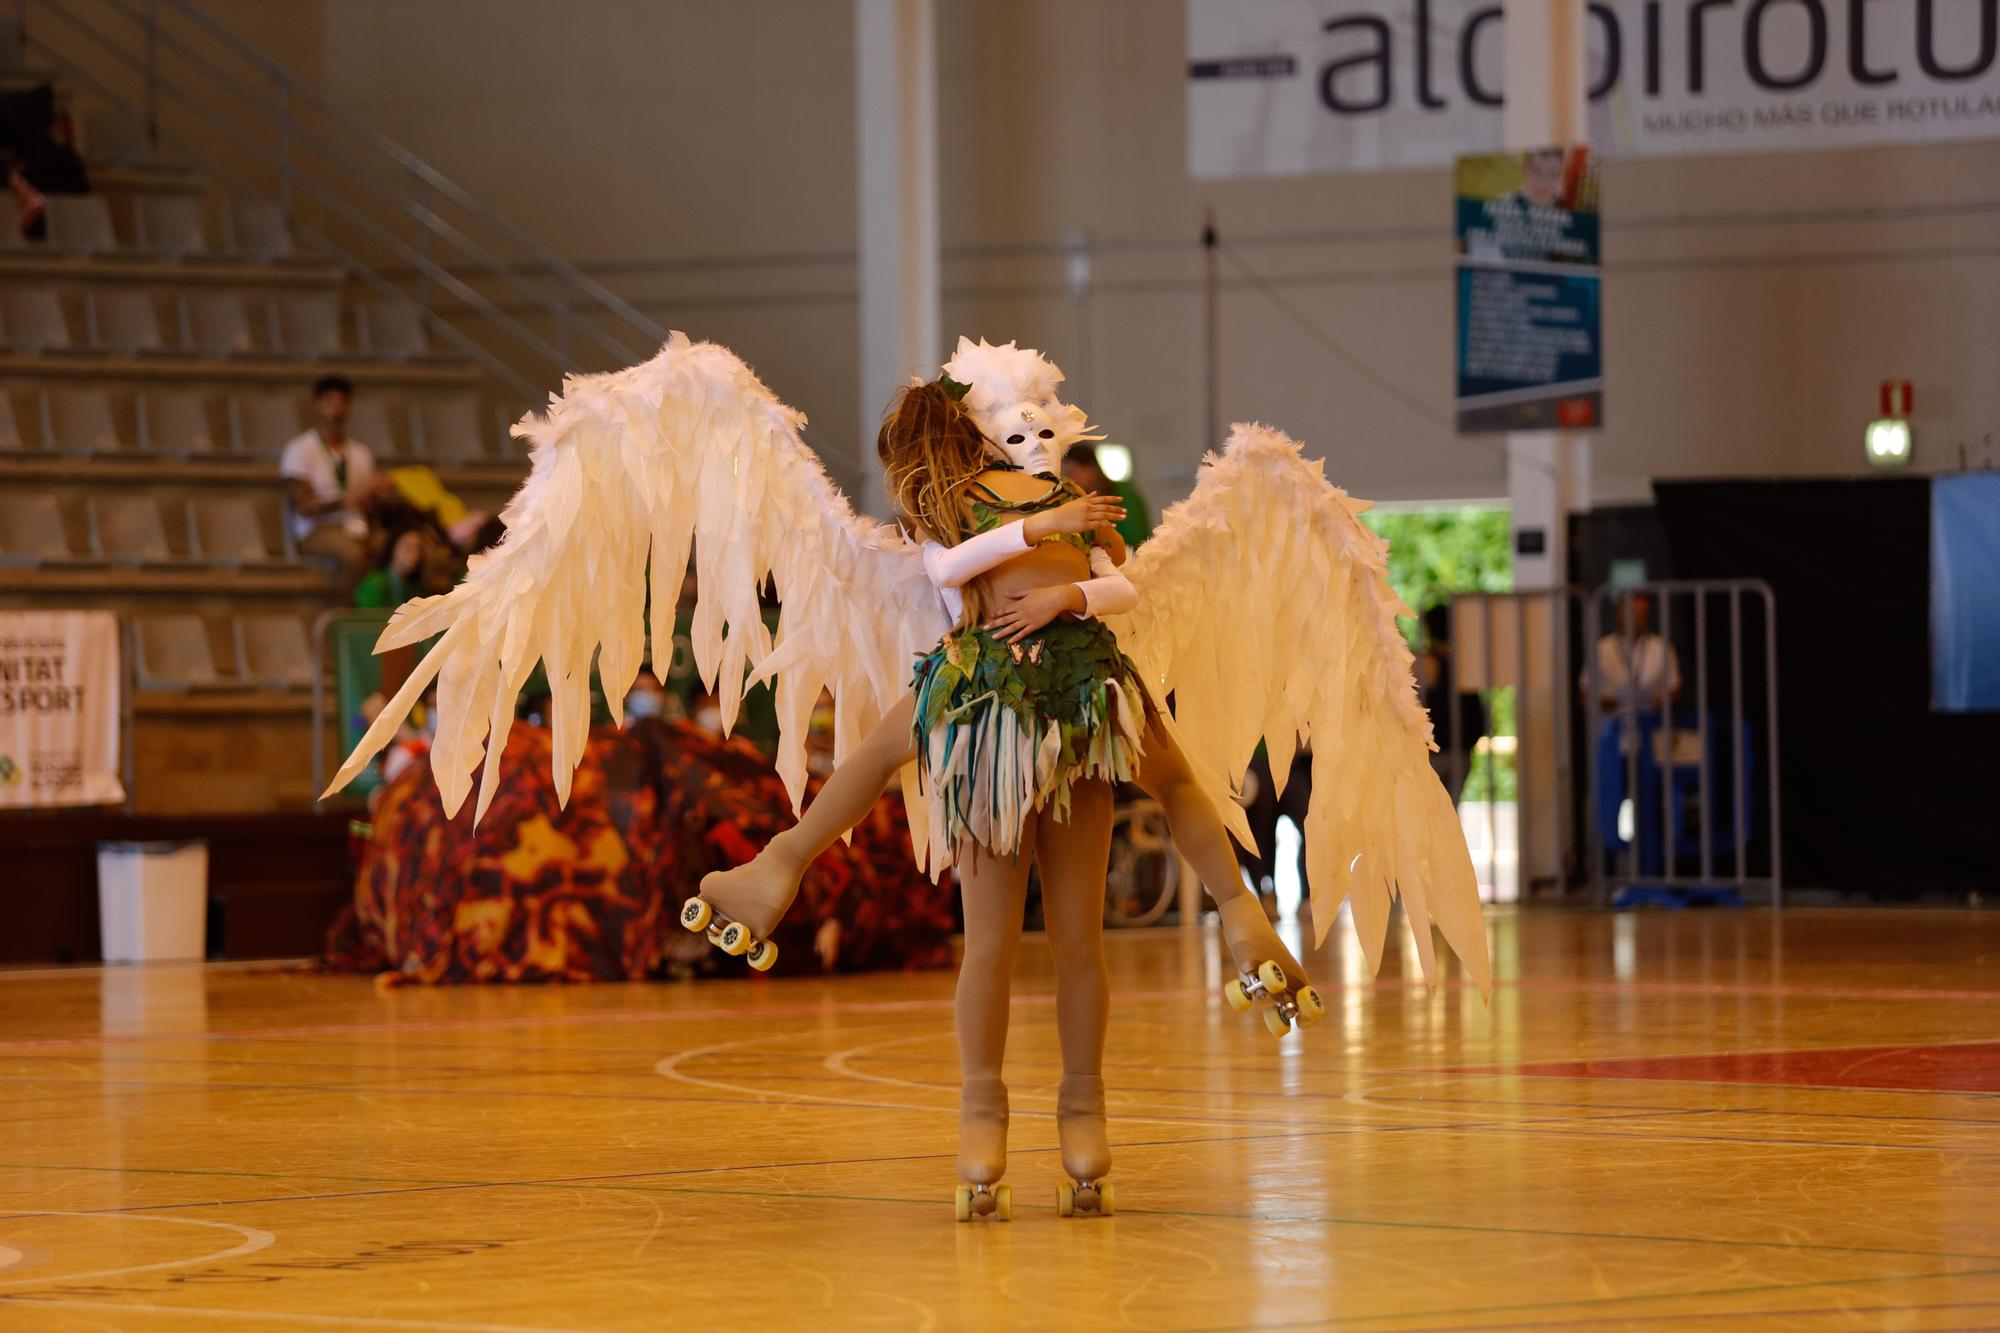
{"type": "Point", "coordinates": [1011, 396]}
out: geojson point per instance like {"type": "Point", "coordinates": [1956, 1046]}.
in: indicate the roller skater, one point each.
{"type": "Point", "coordinates": [1042, 656]}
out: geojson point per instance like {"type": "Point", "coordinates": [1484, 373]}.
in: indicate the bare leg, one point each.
{"type": "Point", "coordinates": [1198, 832]}
{"type": "Point", "coordinates": [759, 891]}
{"type": "Point", "coordinates": [995, 890]}
{"type": "Point", "coordinates": [1072, 858]}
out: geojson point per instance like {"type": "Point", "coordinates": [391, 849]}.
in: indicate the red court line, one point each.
{"type": "Point", "coordinates": [1954, 1067]}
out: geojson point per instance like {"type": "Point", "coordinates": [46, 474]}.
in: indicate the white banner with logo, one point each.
{"type": "Point", "coordinates": [1287, 87]}
{"type": "Point", "coordinates": [59, 709]}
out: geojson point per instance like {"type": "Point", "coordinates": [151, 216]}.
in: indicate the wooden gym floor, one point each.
{"type": "Point", "coordinates": [1698, 1121]}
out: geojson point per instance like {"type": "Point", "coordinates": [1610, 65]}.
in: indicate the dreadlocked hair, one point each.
{"type": "Point", "coordinates": [931, 454]}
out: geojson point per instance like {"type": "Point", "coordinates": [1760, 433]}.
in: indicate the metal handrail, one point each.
{"type": "Point", "coordinates": [578, 300]}
{"type": "Point", "coordinates": [296, 132]}
{"type": "Point", "coordinates": [470, 346]}
{"type": "Point", "coordinates": [422, 170]}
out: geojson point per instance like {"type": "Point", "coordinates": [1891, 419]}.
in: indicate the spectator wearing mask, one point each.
{"type": "Point", "coordinates": [330, 480]}
{"type": "Point", "coordinates": [1080, 466]}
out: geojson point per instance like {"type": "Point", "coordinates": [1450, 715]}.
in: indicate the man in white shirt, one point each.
{"type": "Point", "coordinates": [329, 479]}
{"type": "Point", "coordinates": [1633, 663]}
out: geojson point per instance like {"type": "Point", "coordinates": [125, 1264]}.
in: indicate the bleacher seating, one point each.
{"type": "Point", "coordinates": [176, 423]}
{"type": "Point", "coordinates": [79, 420]}
{"type": "Point", "coordinates": [450, 430]}
{"type": "Point", "coordinates": [274, 652]}
{"type": "Point", "coordinates": [32, 530]}
{"type": "Point", "coordinates": [174, 653]}
{"type": "Point", "coordinates": [262, 424]}
{"type": "Point", "coordinates": [371, 421]}
{"type": "Point", "coordinates": [308, 324]}
{"type": "Point", "coordinates": [257, 228]}
{"type": "Point", "coordinates": [155, 356]}
{"type": "Point", "coordinates": [34, 320]}
{"type": "Point", "coordinates": [228, 530]}
{"type": "Point", "coordinates": [394, 329]}
{"type": "Point", "coordinates": [170, 226]}
{"type": "Point", "coordinates": [10, 428]}
{"type": "Point", "coordinates": [129, 530]}
{"type": "Point", "coordinates": [218, 324]}
{"type": "Point", "coordinates": [125, 322]}
{"type": "Point", "coordinates": [80, 224]}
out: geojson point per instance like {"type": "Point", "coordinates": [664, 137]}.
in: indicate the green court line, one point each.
{"type": "Point", "coordinates": [597, 1184]}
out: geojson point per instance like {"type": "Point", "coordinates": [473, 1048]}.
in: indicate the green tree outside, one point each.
{"type": "Point", "coordinates": [1435, 554]}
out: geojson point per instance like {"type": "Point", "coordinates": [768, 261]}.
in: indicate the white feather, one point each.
{"type": "Point", "coordinates": [630, 473]}
{"type": "Point", "coordinates": [1265, 609]}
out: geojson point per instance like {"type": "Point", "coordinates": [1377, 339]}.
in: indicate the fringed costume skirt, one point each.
{"type": "Point", "coordinates": [1002, 729]}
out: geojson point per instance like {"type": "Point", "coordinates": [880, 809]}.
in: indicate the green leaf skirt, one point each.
{"type": "Point", "coordinates": [1003, 729]}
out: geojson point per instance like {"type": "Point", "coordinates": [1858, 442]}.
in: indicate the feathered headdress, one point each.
{"type": "Point", "coordinates": [1007, 375]}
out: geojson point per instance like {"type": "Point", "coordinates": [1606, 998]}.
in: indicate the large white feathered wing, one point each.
{"type": "Point", "coordinates": [630, 472]}
{"type": "Point", "coordinates": [1265, 608]}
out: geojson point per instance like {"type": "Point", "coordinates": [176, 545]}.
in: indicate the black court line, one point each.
{"type": "Point", "coordinates": [150, 1087]}
{"type": "Point", "coordinates": [599, 1182]}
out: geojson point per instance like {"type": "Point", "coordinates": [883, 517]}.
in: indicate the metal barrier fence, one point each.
{"type": "Point", "coordinates": [1681, 801]}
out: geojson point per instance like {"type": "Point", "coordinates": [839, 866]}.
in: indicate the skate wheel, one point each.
{"type": "Point", "coordinates": [1311, 1007]}
{"type": "Point", "coordinates": [1276, 1023]}
{"type": "Point", "coordinates": [1003, 1202]}
{"type": "Point", "coordinates": [734, 939]}
{"type": "Point", "coordinates": [762, 955]}
{"type": "Point", "coordinates": [1065, 1199]}
{"type": "Point", "coordinates": [1239, 999]}
{"type": "Point", "coordinates": [961, 1203]}
{"type": "Point", "coordinates": [1104, 1205]}
{"type": "Point", "coordinates": [1273, 976]}
{"type": "Point", "coordinates": [695, 913]}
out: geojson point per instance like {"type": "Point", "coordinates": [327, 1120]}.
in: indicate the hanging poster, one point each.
{"type": "Point", "coordinates": [1530, 324]}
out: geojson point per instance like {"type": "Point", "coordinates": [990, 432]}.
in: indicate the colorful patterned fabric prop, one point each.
{"type": "Point", "coordinates": [591, 892]}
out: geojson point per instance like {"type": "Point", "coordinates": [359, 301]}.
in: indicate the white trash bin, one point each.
{"type": "Point", "coordinates": [152, 901]}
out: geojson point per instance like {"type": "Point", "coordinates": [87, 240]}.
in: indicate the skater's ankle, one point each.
{"type": "Point", "coordinates": [1080, 1094]}
{"type": "Point", "coordinates": [782, 855]}
{"type": "Point", "coordinates": [984, 1085]}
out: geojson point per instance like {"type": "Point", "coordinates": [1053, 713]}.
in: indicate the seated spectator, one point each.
{"type": "Point", "coordinates": [399, 577]}
{"type": "Point", "coordinates": [330, 482]}
{"type": "Point", "coordinates": [37, 155]}
{"type": "Point", "coordinates": [1081, 467]}
{"type": "Point", "coordinates": [419, 488]}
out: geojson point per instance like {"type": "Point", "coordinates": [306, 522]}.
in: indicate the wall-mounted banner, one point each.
{"type": "Point", "coordinates": [59, 709]}
{"type": "Point", "coordinates": [1287, 87]}
{"type": "Point", "coordinates": [1529, 321]}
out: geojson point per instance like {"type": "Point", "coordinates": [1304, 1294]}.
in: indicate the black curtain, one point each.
{"type": "Point", "coordinates": [1880, 795]}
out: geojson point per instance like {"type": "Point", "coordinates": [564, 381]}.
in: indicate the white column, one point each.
{"type": "Point", "coordinates": [1546, 105]}
{"type": "Point", "coordinates": [895, 114]}
{"type": "Point", "coordinates": [1548, 472]}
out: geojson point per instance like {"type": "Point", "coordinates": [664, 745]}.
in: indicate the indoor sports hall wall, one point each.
{"type": "Point", "coordinates": [1752, 302]}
